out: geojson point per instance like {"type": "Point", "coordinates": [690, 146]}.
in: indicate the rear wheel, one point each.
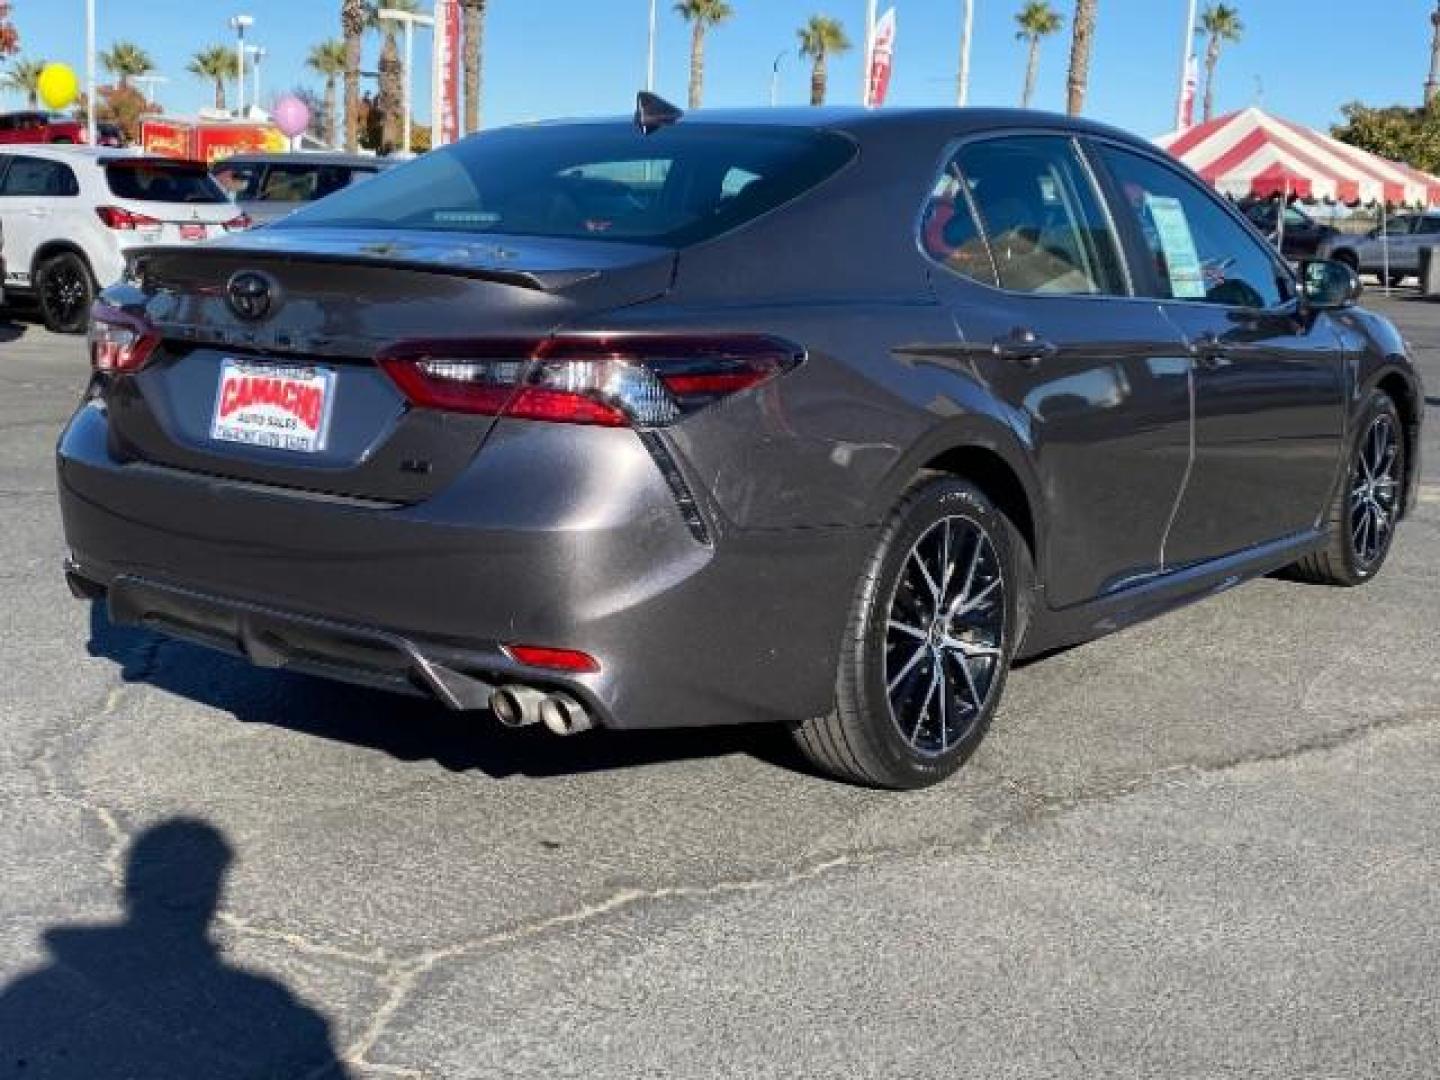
{"type": "Point", "coordinates": [934, 623]}
{"type": "Point", "coordinates": [65, 289]}
{"type": "Point", "coordinates": [1367, 507]}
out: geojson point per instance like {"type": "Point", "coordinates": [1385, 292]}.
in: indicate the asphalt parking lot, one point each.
{"type": "Point", "coordinates": [1202, 848]}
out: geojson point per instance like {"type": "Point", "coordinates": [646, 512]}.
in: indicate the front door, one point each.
{"type": "Point", "coordinates": [1096, 381]}
{"type": "Point", "coordinates": [1269, 389]}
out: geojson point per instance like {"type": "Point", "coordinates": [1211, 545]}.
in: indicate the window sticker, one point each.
{"type": "Point", "coordinates": [1182, 261]}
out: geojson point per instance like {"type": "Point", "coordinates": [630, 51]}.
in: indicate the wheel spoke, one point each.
{"type": "Point", "coordinates": [909, 667]}
{"type": "Point", "coordinates": [935, 677]}
{"type": "Point", "coordinates": [908, 630]}
{"type": "Point", "coordinates": [975, 700]}
{"type": "Point", "coordinates": [929, 581]}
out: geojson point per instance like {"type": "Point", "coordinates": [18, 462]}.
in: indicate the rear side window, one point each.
{"type": "Point", "coordinates": [1024, 212]}
{"type": "Point", "coordinates": [676, 186]}
{"type": "Point", "coordinates": [1199, 251]}
{"type": "Point", "coordinates": [29, 176]}
{"type": "Point", "coordinates": [152, 182]}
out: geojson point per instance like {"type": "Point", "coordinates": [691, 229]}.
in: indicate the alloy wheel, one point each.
{"type": "Point", "coordinates": [65, 292]}
{"type": "Point", "coordinates": [945, 635]}
{"type": "Point", "coordinates": [1375, 492]}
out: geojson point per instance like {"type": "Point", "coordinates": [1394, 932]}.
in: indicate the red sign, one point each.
{"type": "Point", "coordinates": [446, 105]}
{"type": "Point", "coordinates": [882, 55]}
{"type": "Point", "coordinates": [209, 142]}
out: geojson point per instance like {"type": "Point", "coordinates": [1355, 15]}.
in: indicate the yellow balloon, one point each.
{"type": "Point", "coordinates": [58, 86]}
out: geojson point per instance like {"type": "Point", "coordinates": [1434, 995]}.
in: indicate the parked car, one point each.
{"type": "Point", "coordinates": [39, 127]}
{"type": "Point", "coordinates": [108, 134]}
{"type": "Point", "coordinates": [812, 417]}
{"type": "Point", "coordinates": [73, 213]}
{"type": "Point", "coordinates": [269, 186]}
{"type": "Point", "coordinates": [1405, 235]}
{"type": "Point", "coordinates": [1304, 236]}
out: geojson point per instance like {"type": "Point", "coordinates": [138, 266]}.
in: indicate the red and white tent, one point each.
{"type": "Point", "coordinates": [1251, 154]}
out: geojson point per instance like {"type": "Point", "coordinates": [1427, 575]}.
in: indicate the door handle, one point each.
{"type": "Point", "coordinates": [1024, 347]}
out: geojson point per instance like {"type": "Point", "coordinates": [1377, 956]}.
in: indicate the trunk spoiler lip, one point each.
{"type": "Point", "coordinates": [535, 280]}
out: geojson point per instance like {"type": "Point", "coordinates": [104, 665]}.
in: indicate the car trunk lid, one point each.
{"type": "Point", "coordinates": [326, 418]}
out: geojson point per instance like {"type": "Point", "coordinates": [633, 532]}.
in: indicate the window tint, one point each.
{"type": "Point", "coordinates": [1429, 226]}
{"type": "Point", "coordinates": [149, 181]}
{"type": "Point", "coordinates": [1039, 212]}
{"type": "Point", "coordinates": [29, 176]}
{"type": "Point", "coordinates": [301, 182]}
{"type": "Point", "coordinates": [597, 181]}
{"type": "Point", "coordinates": [1200, 252]}
{"type": "Point", "coordinates": [1401, 226]}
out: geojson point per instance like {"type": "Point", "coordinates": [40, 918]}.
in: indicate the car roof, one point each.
{"type": "Point", "coordinates": [857, 122]}
{"type": "Point", "coordinates": [305, 157]}
{"type": "Point", "coordinates": [70, 151]}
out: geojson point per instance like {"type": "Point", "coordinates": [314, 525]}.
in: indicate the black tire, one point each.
{"type": "Point", "coordinates": [862, 739]}
{"type": "Point", "coordinates": [1349, 258]}
{"type": "Point", "coordinates": [65, 290]}
{"type": "Point", "coordinates": [1356, 550]}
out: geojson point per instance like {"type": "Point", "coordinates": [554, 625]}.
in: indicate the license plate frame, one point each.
{"type": "Point", "coordinates": [273, 405]}
{"type": "Point", "coordinates": [194, 231]}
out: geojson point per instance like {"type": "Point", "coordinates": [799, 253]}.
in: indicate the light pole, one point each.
{"type": "Point", "coordinates": [408, 20]}
{"type": "Point", "coordinates": [240, 23]}
{"type": "Point", "coordinates": [967, 31]}
{"type": "Point", "coordinates": [90, 71]}
{"type": "Point", "coordinates": [650, 51]}
{"type": "Point", "coordinates": [775, 78]}
{"type": "Point", "coordinates": [256, 53]}
{"type": "Point", "coordinates": [1187, 45]}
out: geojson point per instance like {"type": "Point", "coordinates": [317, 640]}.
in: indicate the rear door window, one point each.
{"type": "Point", "coordinates": [241, 180]}
{"type": "Point", "coordinates": [39, 177]}
{"type": "Point", "coordinates": [1197, 249]}
{"type": "Point", "coordinates": [676, 186]}
{"type": "Point", "coordinates": [157, 182]}
{"type": "Point", "coordinates": [1023, 212]}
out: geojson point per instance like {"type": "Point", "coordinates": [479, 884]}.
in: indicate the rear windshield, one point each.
{"type": "Point", "coordinates": [676, 186]}
{"type": "Point", "coordinates": [150, 182]}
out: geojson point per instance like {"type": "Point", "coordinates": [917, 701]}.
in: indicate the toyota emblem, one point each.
{"type": "Point", "coordinates": [250, 295]}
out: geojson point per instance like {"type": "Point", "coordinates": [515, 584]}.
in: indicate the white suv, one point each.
{"type": "Point", "coordinates": [71, 214]}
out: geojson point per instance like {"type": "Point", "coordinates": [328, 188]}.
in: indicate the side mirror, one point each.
{"type": "Point", "coordinates": [1326, 285]}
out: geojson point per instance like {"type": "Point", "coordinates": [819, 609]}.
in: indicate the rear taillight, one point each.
{"type": "Point", "coordinates": [115, 217]}
{"type": "Point", "coordinates": [632, 380]}
{"type": "Point", "coordinates": [542, 656]}
{"type": "Point", "coordinates": [239, 224]}
{"type": "Point", "coordinates": [119, 342]}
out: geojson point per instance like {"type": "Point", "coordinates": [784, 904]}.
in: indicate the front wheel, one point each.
{"type": "Point", "coordinates": [66, 290]}
{"type": "Point", "coordinates": [1367, 507]}
{"type": "Point", "coordinates": [934, 623]}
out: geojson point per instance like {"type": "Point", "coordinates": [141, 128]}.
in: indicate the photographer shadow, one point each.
{"type": "Point", "coordinates": [151, 996]}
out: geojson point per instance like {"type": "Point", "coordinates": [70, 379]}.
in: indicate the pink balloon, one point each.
{"type": "Point", "coordinates": [292, 116]}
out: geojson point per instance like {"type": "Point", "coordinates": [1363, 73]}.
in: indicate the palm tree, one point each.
{"type": "Point", "coordinates": [328, 59]}
{"type": "Point", "coordinates": [821, 38]}
{"type": "Point", "coordinates": [24, 77]}
{"type": "Point", "coordinates": [125, 60]}
{"type": "Point", "coordinates": [474, 12]}
{"type": "Point", "coordinates": [354, 17]}
{"type": "Point", "coordinates": [217, 63]}
{"type": "Point", "coordinates": [1037, 20]}
{"type": "Point", "coordinates": [391, 98]}
{"type": "Point", "coordinates": [701, 15]}
{"type": "Point", "coordinates": [1082, 40]}
{"type": "Point", "coordinates": [1222, 23]}
{"type": "Point", "coordinates": [1432, 84]}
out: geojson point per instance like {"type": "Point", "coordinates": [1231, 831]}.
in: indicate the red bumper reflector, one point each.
{"type": "Point", "coordinates": [555, 659]}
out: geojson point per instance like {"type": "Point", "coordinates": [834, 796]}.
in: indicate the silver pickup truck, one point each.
{"type": "Point", "coordinates": [1405, 235]}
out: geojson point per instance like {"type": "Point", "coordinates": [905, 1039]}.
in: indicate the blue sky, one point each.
{"type": "Point", "coordinates": [567, 57]}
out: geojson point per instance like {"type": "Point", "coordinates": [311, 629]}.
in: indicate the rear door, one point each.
{"type": "Point", "coordinates": [33, 191]}
{"type": "Point", "coordinates": [1094, 378]}
{"type": "Point", "coordinates": [1269, 416]}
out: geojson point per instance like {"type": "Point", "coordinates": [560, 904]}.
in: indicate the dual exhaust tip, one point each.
{"type": "Point", "coordinates": [521, 706]}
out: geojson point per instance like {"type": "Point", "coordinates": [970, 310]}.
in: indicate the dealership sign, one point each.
{"type": "Point", "coordinates": [445, 107]}
{"type": "Point", "coordinates": [882, 53]}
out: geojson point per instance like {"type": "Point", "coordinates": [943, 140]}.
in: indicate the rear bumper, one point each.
{"type": "Point", "coordinates": [558, 536]}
